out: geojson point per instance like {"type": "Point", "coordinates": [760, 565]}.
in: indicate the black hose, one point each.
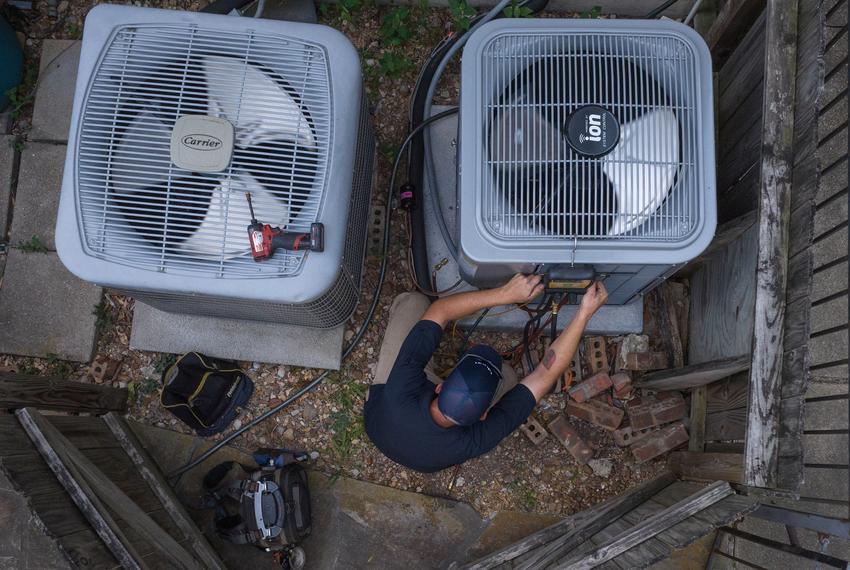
{"type": "Point", "coordinates": [360, 332]}
{"type": "Point", "coordinates": [659, 9]}
{"type": "Point", "coordinates": [225, 6]}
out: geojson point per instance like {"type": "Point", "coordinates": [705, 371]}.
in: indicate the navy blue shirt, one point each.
{"type": "Point", "coordinates": [398, 419]}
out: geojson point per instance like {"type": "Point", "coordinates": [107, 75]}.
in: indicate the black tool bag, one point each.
{"type": "Point", "coordinates": [205, 393]}
{"type": "Point", "coordinates": [269, 508]}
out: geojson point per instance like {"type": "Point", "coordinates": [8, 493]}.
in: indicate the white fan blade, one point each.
{"type": "Point", "coordinates": [521, 137]}
{"type": "Point", "coordinates": [642, 168]}
{"type": "Point", "coordinates": [145, 141]}
{"type": "Point", "coordinates": [227, 218]}
{"type": "Point", "coordinates": [263, 108]}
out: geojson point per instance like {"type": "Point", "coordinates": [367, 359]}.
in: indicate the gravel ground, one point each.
{"type": "Point", "coordinates": [516, 475]}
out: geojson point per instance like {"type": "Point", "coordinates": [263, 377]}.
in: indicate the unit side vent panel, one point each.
{"type": "Point", "coordinates": [137, 208]}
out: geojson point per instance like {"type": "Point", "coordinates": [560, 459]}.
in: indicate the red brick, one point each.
{"type": "Point", "coordinates": [569, 437]}
{"type": "Point", "coordinates": [663, 408]}
{"type": "Point", "coordinates": [594, 385]}
{"type": "Point", "coordinates": [595, 351]}
{"type": "Point", "coordinates": [644, 361]}
{"type": "Point", "coordinates": [534, 431]}
{"type": "Point", "coordinates": [621, 380]}
{"type": "Point", "coordinates": [626, 436]}
{"type": "Point", "coordinates": [662, 441]}
{"type": "Point", "coordinates": [597, 413]}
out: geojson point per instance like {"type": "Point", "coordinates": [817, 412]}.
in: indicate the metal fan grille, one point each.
{"type": "Point", "coordinates": [147, 78]}
{"type": "Point", "coordinates": [545, 190]}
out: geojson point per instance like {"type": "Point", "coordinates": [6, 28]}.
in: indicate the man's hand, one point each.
{"type": "Point", "coordinates": [593, 299]}
{"type": "Point", "coordinates": [521, 289]}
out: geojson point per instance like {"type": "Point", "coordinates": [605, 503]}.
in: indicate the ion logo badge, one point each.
{"type": "Point", "coordinates": [202, 142]}
{"type": "Point", "coordinates": [592, 131]}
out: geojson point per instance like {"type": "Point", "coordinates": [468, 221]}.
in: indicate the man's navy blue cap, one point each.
{"type": "Point", "coordinates": [469, 390]}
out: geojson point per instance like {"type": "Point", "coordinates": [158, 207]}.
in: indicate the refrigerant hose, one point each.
{"type": "Point", "coordinates": [360, 332]}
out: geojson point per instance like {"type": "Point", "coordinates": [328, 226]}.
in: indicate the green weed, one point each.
{"type": "Point", "coordinates": [34, 245]}
{"type": "Point", "coordinates": [23, 94]}
{"type": "Point", "coordinates": [593, 13]}
{"type": "Point", "coordinates": [103, 316]}
{"type": "Point", "coordinates": [462, 14]}
{"type": "Point", "coordinates": [27, 366]}
{"type": "Point", "coordinates": [136, 391]}
{"type": "Point", "coordinates": [163, 361]}
{"type": "Point", "coordinates": [75, 32]}
{"type": "Point", "coordinates": [517, 11]}
{"type": "Point", "coordinates": [393, 65]}
{"type": "Point", "coordinates": [396, 27]}
{"type": "Point", "coordinates": [348, 7]}
{"type": "Point", "coordinates": [57, 367]}
{"type": "Point", "coordinates": [347, 421]}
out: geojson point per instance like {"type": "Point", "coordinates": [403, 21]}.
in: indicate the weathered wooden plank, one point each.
{"type": "Point", "coordinates": [735, 69]}
{"type": "Point", "coordinates": [828, 348]}
{"type": "Point", "coordinates": [799, 282]}
{"type": "Point", "coordinates": [707, 466]}
{"type": "Point", "coordinates": [600, 517]}
{"type": "Point", "coordinates": [725, 234]}
{"type": "Point", "coordinates": [830, 281]}
{"type": "Point", "coordinates": [732, 22]}
{"type": "Point", "coordinates": [796, 324]}
{"type": "Point", "coordinates": [728, 425]}
{"type": "Point", "coordinates": [795, 368]}
{"type": "Point", "coordinates": [84, 432]}
{"type": "Point", "coordinates": [146, 467]}
{"type": "Point", "coordinates": [21, 390]}
{"type": "Point", "coordinates": [829, 315]}
{"type": "Point", "coordinates": [801, 224]}
{"type": "Point", "coordinates": [761, 445]}
{"type": "Point", "coordinates": [830, 214]}
{"type": "Point", "coordinates": [79, 489]}
{"type": "Point", "coordinates": [699, 397]}
{"type": "Point", "coordinates": [629, 559]}
{"type": "Point", "coordinates": [650, 527]}
{"type": "Point", "coordinates": [728, 394]}
{"type": "Point", "coordinates": [830, 248]}
{"type": "Point", "coordinates": [694, 375]}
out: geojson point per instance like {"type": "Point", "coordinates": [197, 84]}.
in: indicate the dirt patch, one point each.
{"type": "Point", "coordinates": [516, 475]}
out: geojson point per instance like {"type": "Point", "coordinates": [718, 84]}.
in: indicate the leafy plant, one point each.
{"type": "Point", "coordinates": [395, 28]}
{"type": "Point", "coordinates": [462, 14]}
{"type": "Point", "coordinates": [56, 366]}
{"type": "Point", "coordinates": [348, 7]}
{"type": "Point", "coordinates": [75, 32]}
{"type": "Point", "coordinates": [393, 64]}
{"type": "Point", "coordinates": [163, 361]}
{"type": "Point", "coordinates": [593, 13]}
{"type": "Point", "coordinates": [23, 94]}
{"type": "Point", "coordinates": [517, 11]}
{"type": "Point", "coordinates": [138, 390]}
{"type": "Point", "coordinates": [103, 316]}
{"type": "Point", "coordinates": [34, 245]}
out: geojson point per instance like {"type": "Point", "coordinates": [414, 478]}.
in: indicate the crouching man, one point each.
{"type": "Point", "coordinates": [427, 424]}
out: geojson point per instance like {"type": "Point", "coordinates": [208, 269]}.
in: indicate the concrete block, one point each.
{"type": "Point", "coordinates": [37, 197]}
{"type": "Point", "coordinates": [533, 430]}
{"type": "Point", "coordinates": [595, 351]}
{"type": "Point", "coordinates": [644, 361]}
{"type": "Point", "coordinates": [252, 341]}
{"type": "Point", "coordinates": [569, 438]}
{"type": "Point", "coordinates": [662, 441]}
{"type": "Point", "coordinates": [45, 310]}
{"type": "Point", "coordinates": [599, 414]}
{"type": "Point", "coordinates": [594, 385]}
{"type": "Point", "coordinates": [8, 156]}
{"type": "Point", "coordinates": [663, 408]}
{"type": "Point", "coordinates": [51, 117]}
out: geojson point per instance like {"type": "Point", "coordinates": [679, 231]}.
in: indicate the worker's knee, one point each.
{"type": "Point", "coordinates": [410, 302]}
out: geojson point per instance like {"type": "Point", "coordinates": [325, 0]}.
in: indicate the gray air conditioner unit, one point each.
{"type": "Point", "coordinates": [588, 144]}
{"type": "Point", "coordinates": [176, 116]}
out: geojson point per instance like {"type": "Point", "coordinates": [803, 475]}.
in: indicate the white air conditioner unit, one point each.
{"type": "Point", "coordinates": [585, 143]}
{"type": "Point", "coordinates": [176, 116]}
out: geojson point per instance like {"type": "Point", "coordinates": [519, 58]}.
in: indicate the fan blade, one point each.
{"type": "Point", "coordinates": [263, 107]}
{"type": "Point", "coordinates": [642, 168]}
{"type": "Point", "coordinates": [142, 155]}
{"type": "Point", "coordinates": [521, 137]}
{"type": "Point", "coordinates": [224, 226]}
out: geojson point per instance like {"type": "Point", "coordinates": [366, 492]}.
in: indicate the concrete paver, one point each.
{"type": "Point", "coordinates": [51, 116]}
{"type": "Point", "coordinates": [37, 196]}
{"type": "Point", "coordinates": [45, 310]}
{"type": "Point", "coordinates": [253, 341]}
{"type": "Point", "coordinates": [7, 175]}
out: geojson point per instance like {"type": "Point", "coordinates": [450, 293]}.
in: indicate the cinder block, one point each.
{"type": "Point", "coordinates": [644, 361]}
{"type": "Point", "coordinates": [594, 385]}
{"type": "Point", "coordinates": [662, 441]}
{"type": "Point", "coordinates": [627, 435]}
{"type": "Point", "coordinates": [597, 413]}
{"type": "Point", "coordinates": [663, 408]}
{"type": "Point", "coordinates": [569, 438]}
{"type": "Point", "coordinates": [534, 431]}
{"type": "Point", "coordinates": [595, 350]}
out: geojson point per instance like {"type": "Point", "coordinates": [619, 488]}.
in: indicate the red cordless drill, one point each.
{"type": "Point", "coordinates": [265, 239]}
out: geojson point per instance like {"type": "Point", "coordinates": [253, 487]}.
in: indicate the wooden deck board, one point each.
{"type": "Point", "coordinates": [829, 281]}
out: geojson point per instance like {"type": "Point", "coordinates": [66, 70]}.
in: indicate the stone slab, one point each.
{"type": "Point", "coordinates": [51, 118]}
{"type": "Point", "coordinates": [611, 320]}
{"type": "Point", "coordinates": [252, 341]}
{"type": "Point", "coordinates": [45, 310]}
{"type": "Point", "coordinates": [37, 196]}
{"type": "Point", "coordinates": [8, 155]}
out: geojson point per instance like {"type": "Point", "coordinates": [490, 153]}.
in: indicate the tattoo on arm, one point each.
{"type": "Point", "coordinates": [549, 360]}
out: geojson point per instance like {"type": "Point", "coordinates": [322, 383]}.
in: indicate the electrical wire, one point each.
{"type": "Point", "coordinates": [361, 331]}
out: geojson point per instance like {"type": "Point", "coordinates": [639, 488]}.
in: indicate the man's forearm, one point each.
{"type": "Point", "coordinates": [557, 358]}
{"type": "Point", "coordinates": [447, 309]}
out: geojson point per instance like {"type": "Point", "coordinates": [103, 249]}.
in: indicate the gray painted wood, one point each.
{"type": "Point", "coordinates": [694, 374]}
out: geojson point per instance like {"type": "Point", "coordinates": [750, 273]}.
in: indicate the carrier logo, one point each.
{"type": "Point", "coordinates": [202, 142]}
{"type": "Point", "coordinates": [592, 131]}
